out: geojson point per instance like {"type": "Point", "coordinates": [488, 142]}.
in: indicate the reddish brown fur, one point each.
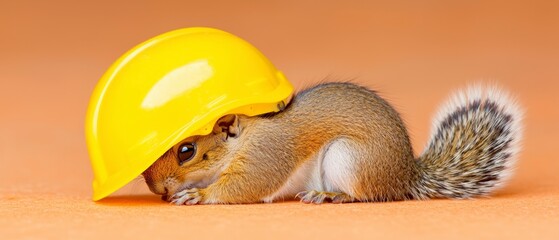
{"type": "Point", "coordinates": [250, 158]}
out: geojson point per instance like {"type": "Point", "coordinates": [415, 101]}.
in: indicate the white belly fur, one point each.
{"type": "Point", "coordinates": [331, 170]}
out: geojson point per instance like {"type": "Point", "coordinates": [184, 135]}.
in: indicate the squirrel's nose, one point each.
{"type": "Point", "coordinates": [165, 194]}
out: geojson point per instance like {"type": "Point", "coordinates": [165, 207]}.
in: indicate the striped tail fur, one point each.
{"type": "Point", "coordinates": [473, 146]}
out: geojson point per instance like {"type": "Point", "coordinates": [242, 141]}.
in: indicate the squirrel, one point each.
{"type": "Point", "coordinates": [340, 142]}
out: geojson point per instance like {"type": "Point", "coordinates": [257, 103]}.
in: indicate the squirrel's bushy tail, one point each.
{"type": "Point", "coordinates": [474, 144]}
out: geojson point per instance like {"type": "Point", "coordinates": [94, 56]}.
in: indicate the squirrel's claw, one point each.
{"type": "Point", "coordinates": [186, 197]}
{"type": "Point", "coordinates": [318, 197]}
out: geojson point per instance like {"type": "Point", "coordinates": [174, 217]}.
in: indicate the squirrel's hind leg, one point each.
{"type": "Point", "coordinates": [320, 197]}
{"type": "Point", "coordinates": [336, 171]}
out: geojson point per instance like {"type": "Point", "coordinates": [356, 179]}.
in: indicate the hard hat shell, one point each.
{"type": "Point", "coordinates": [171, 87]}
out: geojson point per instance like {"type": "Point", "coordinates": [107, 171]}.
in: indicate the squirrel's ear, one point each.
{"type": "Point", "coordinates": [229, 124]}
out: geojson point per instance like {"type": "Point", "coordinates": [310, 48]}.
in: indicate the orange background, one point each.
{"type": "Point", "coordinates": [414, 52]}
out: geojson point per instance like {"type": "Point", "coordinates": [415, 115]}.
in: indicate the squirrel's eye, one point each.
{"type": "Point", "coordinates": [186, 152]}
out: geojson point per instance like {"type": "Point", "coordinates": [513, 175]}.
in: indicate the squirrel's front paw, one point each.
{"type": "Point", "coordinates": [191, 196]}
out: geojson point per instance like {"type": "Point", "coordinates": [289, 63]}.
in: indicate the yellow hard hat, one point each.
{"type": "Point", "coordinates": [171, 87]}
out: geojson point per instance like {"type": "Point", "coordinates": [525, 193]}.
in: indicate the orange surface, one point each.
{"type": "Point", "coordinates": [415, 53]}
